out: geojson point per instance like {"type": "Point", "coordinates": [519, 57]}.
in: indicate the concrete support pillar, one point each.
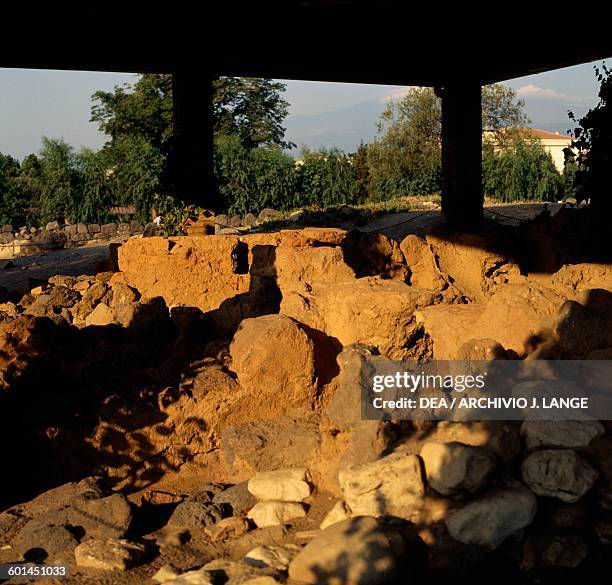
{"type": "Point", "coordinates": [192, 165]}
{"type": "Point", "coordinates": [462, 197]}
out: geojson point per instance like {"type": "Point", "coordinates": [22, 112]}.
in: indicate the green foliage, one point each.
{"type": "Point", "coordinates": [502, 112]}
{"type": "Point", "coordinates": [138, 119]}
{"type": "Point", "coordinates": [251, 109]}
{"type": "Point", "coordinates": [250, 180]}
{"type": "Point", "coordinates": [12, 200]}
{"type": "Point", "coordinates": [362, 173]}
{"type": "Point", "coordinates": [143, 110]}
{"type": "Point", "coordinates": [327, 177]}
{"type": "Point", "coordinates": [136, 167]}
{"type": "Point", "coordinates": [590, 150]}
{"type": "Point", "coordinates": [96, 188]}
{"type": "Point", "coordinates": [405, 159]}
{"type": "Point", "coordinates": [520, 170]}
{"type": "Point", "coordinates": [173, 213]}
{"type": "Point", "coordinates": [59, 179]}
{"type": "Point", "coordinates": [570, 182]}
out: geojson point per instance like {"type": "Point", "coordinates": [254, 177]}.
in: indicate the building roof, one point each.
{"type": "Point", "coordinates": [544, 134]}
{"type": "Point", "coordinates": [123, 209]}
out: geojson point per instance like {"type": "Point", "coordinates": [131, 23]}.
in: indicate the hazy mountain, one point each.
{"type": "Point", "coordinates": [346, 127]}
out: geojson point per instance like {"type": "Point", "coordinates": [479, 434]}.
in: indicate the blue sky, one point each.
{"type": "Point", "coordinates": [57, 104]}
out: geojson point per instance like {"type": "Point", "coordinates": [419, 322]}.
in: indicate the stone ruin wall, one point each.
{"type": "Point", "coordinates": [24, 241]}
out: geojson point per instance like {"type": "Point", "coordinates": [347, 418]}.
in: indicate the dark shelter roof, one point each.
{"type": "Point", "coordinates": [455, 49]}
{"type": "Point", "coordinates": [405, 43]}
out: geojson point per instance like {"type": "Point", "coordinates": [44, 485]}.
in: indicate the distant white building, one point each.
{"type": "Point", "coordinates": [553, 143]}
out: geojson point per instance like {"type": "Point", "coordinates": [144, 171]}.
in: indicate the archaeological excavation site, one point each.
{"type": "Point", "coordinates": [191, 412]}
{"type": "Point", "coordinates": [287, 298]}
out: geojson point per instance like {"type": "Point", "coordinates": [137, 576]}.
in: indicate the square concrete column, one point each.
{"type": "Point", "coordinates": [462, 197]}
{"type": "Point", "coordinates": [192, 164]}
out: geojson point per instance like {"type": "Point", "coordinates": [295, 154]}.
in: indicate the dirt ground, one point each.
{"type": "Point", "coordinates": [22, 273]}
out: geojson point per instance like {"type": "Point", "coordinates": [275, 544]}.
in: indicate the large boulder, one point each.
{"type": "Point", "coordinates": [490, 519]}
{"type": "Point", "coordinates": [264, 445]}
{"type": "Point", "coordinates": [237, 497]}
{"type": "Point", "coordinates": [274, 513]}
{"type": "Point", "coordinates": [582, 328]}
{"type": "Point", "coordinates": [195, 515]}
{"type": "Point", "coordinates": [390, 486]}
{"type": "Point", "coordinates": [108, 517]}
{"type": "Point", "coordinates": [421, 260]}
{"type": "Point", "coordinates": [108, 554]}
{"type": "Point", "coordinates": [513, 315]}
{"type": "Point", "coordinates": [346, 438]}
{"type": "Point", "coordinates": [476, 263]}
{"type": "Point", "coordinates": [356, 551]}
{"type": "Point", "coordinates": [274, 358]}
{"type": "Point", "coordinates": [40, 537]}
{"type": "Point", "coordinates": [560, 433]}
{"type": "Point", "coordinates": [60, 497]}
{"type": "Point", "coordinates": [558, 473]}
{"type": "Point", "coordinates": [370, 311]}
{"type": "Point", "coordinates": [455, 469]}
{"type": "Point", "coordinates": [501, 438]}
{"type": "Point", "coordinates": [288, 485]}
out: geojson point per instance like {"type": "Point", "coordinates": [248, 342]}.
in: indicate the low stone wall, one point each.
{"type": "Point", "coordinates": [32, 240]}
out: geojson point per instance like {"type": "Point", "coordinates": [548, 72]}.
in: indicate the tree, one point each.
{"type": "Point", "coordinates": [138, 114]}
{"type": "Point", "coordinates": [143, 110]}
{"type": "Point", "coordinates": [590, 150]}
{"type": "Point", "coordinates": [405, 159]}
{"type": "Point", "coordinates": [362, 173]}
{"type": "Point", "coordinates": [59, 196]}
{"type": "Point", "coordinates": [502, 112]}
{"type": "Point", "coordinates": [136, 167]}
{"type": "Point", "coordinates": [96, 193]}
{"type": "Point", "coordinates": [327, 177]}
{"type": "Point", "coordinates": [251, 180]}
{"type": "Point", "coordinates": [251, 109]}
{"type": "Point", "coordinates": [520, 171]}
{"type": "Point", "coordinates": [12, 199]}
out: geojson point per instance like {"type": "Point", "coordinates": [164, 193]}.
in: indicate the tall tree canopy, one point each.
{"type": "Point", "coordinates": [142, 110]}
{"type": "Point", "coordinates": [251, 109]}
{"type": "Point", "coordinates": [406, 156]}
{"type": "Point", "coordinates": [58, 180]}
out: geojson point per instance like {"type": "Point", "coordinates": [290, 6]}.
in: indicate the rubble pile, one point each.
{"type": "Point", "coordinates": [203, 402]}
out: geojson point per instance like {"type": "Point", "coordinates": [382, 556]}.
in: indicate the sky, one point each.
{"type": "Point", "coordinates": [57, 104]}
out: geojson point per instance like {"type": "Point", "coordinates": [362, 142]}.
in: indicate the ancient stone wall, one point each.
{"type": "Point", "coordinates": [32, 240]}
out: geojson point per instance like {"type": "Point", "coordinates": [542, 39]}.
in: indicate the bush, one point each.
{"type": "Point", "coordinates": [590, 150]}
{"type": "Point", "coordinates": [250, 180]}
{"type": "Point", "coordinates": [327, 177]}
{"type": "Point", "coordinates": [522, 170]}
